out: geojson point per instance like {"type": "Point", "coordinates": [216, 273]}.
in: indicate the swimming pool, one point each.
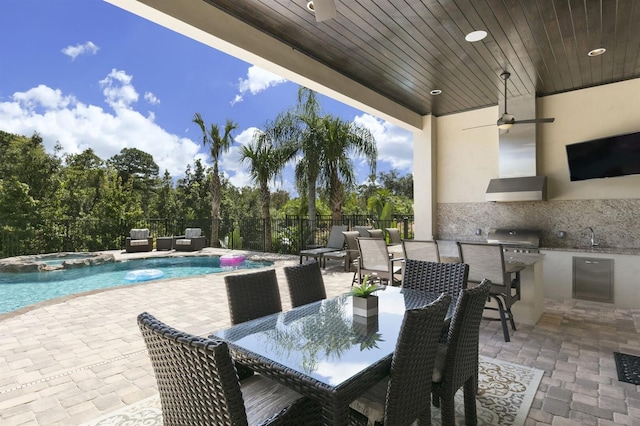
{"type": "Point", "coordinates": [18, 290]}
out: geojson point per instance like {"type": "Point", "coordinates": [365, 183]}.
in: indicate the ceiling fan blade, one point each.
{"type": "Point", "coordinates": [477, 127]}
{"type": "Point", "coordinates": [324, 10]}
{"type": "Point", "coordinates": [535, 120]}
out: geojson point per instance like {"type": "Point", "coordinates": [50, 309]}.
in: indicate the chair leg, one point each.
{"type": "Point", "coordinates": [435, 400]}
{"type": "Point", "coordinates": [447, 410]}
{"type": "Point", "coordinates": [503, 319]}
{"type": "Point", "coordinates": [513, 323]}
{"type": "Point", "coordinates": [470, 414]}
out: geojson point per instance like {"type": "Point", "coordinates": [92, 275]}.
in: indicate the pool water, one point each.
{"type": "Point", "coordinates": [18, 290]}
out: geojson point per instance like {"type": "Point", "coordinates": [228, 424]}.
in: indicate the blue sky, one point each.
{"type": "Point", "coordinates": [85, 73]}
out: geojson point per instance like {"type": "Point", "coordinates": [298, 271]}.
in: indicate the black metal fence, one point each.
{"type": "Point", "coordinates": [288, 235]}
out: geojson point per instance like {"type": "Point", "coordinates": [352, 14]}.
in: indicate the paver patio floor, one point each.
{"type": "Point", "coordinates": [79, 358]}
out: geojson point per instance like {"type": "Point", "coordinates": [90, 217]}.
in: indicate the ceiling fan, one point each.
{"type": "Point", "coordinates": [323, 9]}
{"type": "Point", "coordinates": [506, 121]}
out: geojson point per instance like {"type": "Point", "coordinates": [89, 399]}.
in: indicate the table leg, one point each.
{"type": "Point", "coordinates": [336, 415]}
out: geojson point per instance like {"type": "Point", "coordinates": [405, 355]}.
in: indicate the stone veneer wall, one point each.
{"type": "Point", "coordinates": [616, 223]}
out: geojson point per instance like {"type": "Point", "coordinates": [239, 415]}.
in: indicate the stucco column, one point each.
{"type": "Point", "coordinates": [424, 179]}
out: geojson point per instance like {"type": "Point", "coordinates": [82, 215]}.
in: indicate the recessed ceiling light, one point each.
{"type": "Point", "coordinates": [310, 6]}
{"type": "Point", "coordinates": [475, 36]}
{"type": "Point", "coordinates": [435, 92]}
{"type": "Point", "coordinates": [597, 52]}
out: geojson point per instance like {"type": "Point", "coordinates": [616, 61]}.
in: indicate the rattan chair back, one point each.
{"type": "Point", "coordinates": [412, 365]}
{"type": "Point", "coordinates": [448, 278]}
{"type": "Point", "coordinates": [421, 250]}
{"type": "Point", "coordinates": [198, 385]}
{"type": "Point", "coordinates": [305, 283]}
{"type": "Point", "coordinates": [252, 295]}
{"type": "Point", "coordinates": [460, 367]}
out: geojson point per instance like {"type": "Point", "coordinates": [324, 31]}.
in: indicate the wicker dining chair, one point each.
{"type": "Point", "coordinates": [421, 250]}
{"type": "Point", "coordinates": [252, 295]}
{"type": "Point", "coordinates": [198, 384]}
{"type": "Point", "coordinates": [456, 362]}
{"type": "Point", "coordinates": [400, 399]}
{"type": "Point", "coordinates": [449, 278]}
{"type": "Point", "coordinates": [305, 283]}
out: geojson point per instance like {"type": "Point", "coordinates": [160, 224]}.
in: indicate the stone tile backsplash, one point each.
{"type": "Point", "coordinates": [616, 223]}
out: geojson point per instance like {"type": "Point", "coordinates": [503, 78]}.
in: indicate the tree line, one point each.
{"type": "Point", "coordinates": [36, 186]}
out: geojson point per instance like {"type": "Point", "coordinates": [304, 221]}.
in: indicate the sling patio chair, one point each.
{"type": "Point", "coordinates": [425, 250]}
{"type": "Point", "coordinates": [198, 384]}
{"type": "Point", "coordinates": [334, 243]}
{"type": "Point", "coordinates": [394, 236]}
{"type": "Point", "coordinates": [375, 261]}
{"type": "Point", "coordinates": [486, 261]}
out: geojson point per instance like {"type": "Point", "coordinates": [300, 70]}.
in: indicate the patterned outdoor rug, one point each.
{"type": "Point", "coordinates": [628, 367]}
{"type": "Point", "coordinates": [505, 395]}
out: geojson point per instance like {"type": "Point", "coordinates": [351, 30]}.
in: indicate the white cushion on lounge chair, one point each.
{"type": "Point", "coordinates": [183, 242]}
{"type": "Point", "coordinates": [192, 233]}
{"type": "Point", "coordinates": [138, 243]}
{"type": "Point", "coordinates": [139, 234]}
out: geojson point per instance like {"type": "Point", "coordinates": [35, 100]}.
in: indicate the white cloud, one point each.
{"type": "Point", "coordinates": [80, 49]}
{"type": "Point", "coordinates": [62, 118]}
{"type": "Point", "coordinates": [395, 145]}
{"type": "Point", "coordinates": [257, 80]}
{"type": "Point", "coordinates": [151, 98]}
{"type": "Point", "coordinates": [118, 90]}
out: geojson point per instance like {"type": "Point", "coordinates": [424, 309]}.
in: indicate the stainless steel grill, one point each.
{"type": "Point", "coordinates": [515, 240]}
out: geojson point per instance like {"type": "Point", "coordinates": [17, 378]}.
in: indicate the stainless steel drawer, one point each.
{"type": "Point", "coordinates": [593, 279]}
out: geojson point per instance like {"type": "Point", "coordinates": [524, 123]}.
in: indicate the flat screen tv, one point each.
{"type": "Point", "coordinates": [607, 157]}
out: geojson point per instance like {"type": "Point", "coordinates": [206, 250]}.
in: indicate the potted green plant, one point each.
{"type": "Point", "coordinates": [365, 303]}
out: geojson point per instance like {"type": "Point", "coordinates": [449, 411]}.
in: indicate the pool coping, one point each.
{"type": "Point", "coordinates": [121, 255]}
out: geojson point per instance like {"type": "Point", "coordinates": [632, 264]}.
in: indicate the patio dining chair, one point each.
{"type": "Point", "coordinates": [375, 261]}
{"type": "Point", "coordinates": [421, 250]}
{"type": "Point", "coordinates": [376, 233]}
{"type": "Point", "coordinates": [456, 363]}
{"type": "Point", "coordinates": [305, 283]}
{"type": "Point", "coordinates": [448, 278]}
{"type": "Point", "coordinates": [198, 384]}
{"type": "Point", "coordinates": [252, 295]}
{"type": "Point", "coordinates": [394, 236]}
{"type": "Point", "coordinates": [362, 230]}
{"type": "Point", "coordinates": [487, 261]}
{"type": "Point", "coordinates": [404, 395]}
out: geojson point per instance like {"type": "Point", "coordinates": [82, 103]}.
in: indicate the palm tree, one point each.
{"type": "Point", "coordinates": [342, 141]}
{"type": "Point", "coordinates": [265, 161]}
{"type": "Point", "coordinates": [218, 144]}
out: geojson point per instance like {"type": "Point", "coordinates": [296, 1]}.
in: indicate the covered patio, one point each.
{"type": "Point", "coordinates": [73, 360]}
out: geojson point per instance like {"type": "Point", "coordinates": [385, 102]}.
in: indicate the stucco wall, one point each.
{"type": "Point", "coordinates": [468, 159]}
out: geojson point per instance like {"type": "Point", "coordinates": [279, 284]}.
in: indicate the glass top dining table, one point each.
{"type": "Point", "coordinates": [324, 351]}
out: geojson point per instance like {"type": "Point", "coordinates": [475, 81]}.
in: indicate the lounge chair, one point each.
{"type": "Point", "coordinates": [334, 244]}
{"type": "Point", "coordinates": [138, 240]}
{"type": "Point", "coordinates": [192, 240]}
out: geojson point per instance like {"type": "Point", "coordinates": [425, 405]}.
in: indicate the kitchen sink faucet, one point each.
{"type": "Point", "coordinates": [592, 235]}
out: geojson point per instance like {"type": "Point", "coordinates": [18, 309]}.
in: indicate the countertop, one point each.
{"type": "Point", "coordinates": [596, 250]}
{"type": "Point", "coordinates": [524, 259]}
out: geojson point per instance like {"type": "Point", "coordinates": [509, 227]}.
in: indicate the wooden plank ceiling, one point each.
{"type": "Point", "coordinates": [403, 49]}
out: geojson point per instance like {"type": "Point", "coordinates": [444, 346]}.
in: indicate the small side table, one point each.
{"type": "Point", "coordinates": [164, 243]}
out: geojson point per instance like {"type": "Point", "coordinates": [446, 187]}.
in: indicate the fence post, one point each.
{"type": "Point", "coordinates": [405, 225]}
